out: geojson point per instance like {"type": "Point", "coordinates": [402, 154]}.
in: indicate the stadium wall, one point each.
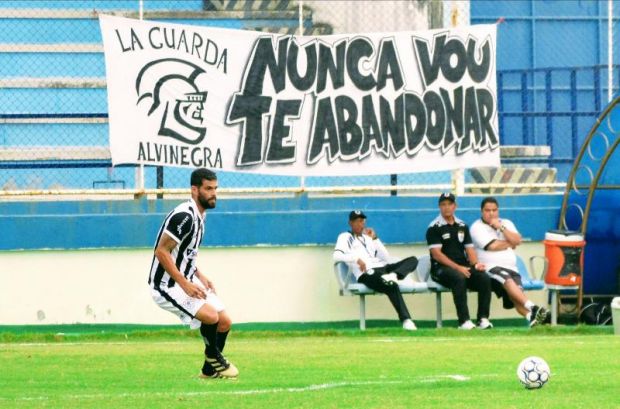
{"type": "Point", "coordinates": [257, 284]}
{"type": "Point", "coordinates": [270, 258]}
{"type": "Point", "coordinates": [299, 220]}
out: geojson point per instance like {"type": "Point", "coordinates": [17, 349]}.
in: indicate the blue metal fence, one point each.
{"type": "Point", "coordinates": [541, 106]}
{"type": "Point", "coordinates": [537, 106]}
{"type": "Point", "coordinates": [551, 106]}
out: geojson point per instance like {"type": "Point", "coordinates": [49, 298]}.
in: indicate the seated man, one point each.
{"type": "Point", "coordinates": [368, 260]}
{"type": "Point", "coordinates": [495, 240]}
{"type": "Point", "coordinates": [454, 263]}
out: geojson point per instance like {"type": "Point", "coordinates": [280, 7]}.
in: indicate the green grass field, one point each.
{"type": "Point", "coordinates": [316, 368]}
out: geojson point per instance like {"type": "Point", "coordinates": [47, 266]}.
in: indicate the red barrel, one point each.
{"type": "Point", "coordinates": [564, 250]}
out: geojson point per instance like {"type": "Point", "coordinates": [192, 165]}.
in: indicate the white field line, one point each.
{"type": "Point", "coordinates": [302, 389]}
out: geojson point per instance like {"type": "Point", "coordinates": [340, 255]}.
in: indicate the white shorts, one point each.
{"type": "Point", "coordinates": [176, 301]}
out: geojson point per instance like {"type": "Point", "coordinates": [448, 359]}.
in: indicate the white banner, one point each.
{"type": "Point", "coordinates": [357, 104]}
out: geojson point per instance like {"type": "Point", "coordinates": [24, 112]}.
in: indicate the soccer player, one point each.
{"type": "Point", "coordinates": [369, 261]}
{"type": "Point", "coordinates": [495, 240]}
{"type": "Point", "coordinates": [454, 263]}
{"type": "Point", "coordinates": [178, 286]}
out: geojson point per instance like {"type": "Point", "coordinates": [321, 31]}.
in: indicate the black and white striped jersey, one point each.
{"type": "Point", "coordinates": [185, 225]}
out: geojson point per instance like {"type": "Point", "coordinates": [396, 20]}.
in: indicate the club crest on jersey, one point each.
{"type": "Point", "coordinates": [461, 235]}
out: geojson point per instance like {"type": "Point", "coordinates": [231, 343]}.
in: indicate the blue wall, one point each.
{"type": "Point", "coordinates": [248, 222]}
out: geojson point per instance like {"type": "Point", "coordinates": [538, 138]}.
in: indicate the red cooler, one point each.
{"type": "Point", "coordinates": [564, 250]}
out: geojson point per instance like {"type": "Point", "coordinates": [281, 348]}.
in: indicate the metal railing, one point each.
{"type": "Point", "coordinates": [540, 91]}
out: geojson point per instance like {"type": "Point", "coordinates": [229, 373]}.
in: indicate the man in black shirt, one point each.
{"type": "Point", "coordinates": [454, 263]}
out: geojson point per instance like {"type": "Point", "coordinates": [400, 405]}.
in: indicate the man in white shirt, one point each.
{"type": "Point", "coordinates": [495, 240]}
{"type": "Point", "coordinates": [369, 261]}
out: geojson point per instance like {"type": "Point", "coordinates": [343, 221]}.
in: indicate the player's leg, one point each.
{"type": "Point", "coordinates": [223, 328]}
{"type": "Point", "coordinates": [376, 282]}
{"type": "Point", "coordinates": [224, 322]}
{"type": "Point", "coordinates": [211, 368]}
{"type": "Point", "coordinates": [511, 281]}
{"type": "Point", "coordinates": [403, 267]}
{"type": "Point", "coordinates": [517, 296]}
{"type": "Point", "coordinates": [480, 282]}
{"type": "Point", "coordinates": [208, 317]}
{"type": "Point", "coordinates": [533, 313]}
{"type": "Point", "coordinates": [215, 366]}
{"type": "Point", "coordinates": [457, 283]}
{"type": "Point", "coordinates": [197, 313]}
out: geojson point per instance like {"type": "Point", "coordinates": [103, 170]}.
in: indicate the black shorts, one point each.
{"type": "Point", "coordinates": [499, 275]}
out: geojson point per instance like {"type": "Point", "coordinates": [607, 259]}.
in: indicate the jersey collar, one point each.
{"type": "Point", "coordinates": [441, 221]}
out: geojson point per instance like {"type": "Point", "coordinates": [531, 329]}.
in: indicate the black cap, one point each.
{"type": "Point", "coordinates": [356, 214]}
{"type": "Point", "coordinates": [447, 196]}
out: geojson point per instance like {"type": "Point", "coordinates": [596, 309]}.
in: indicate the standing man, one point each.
{"type": "Point", "coordinates": [178, 286]}
{"type": "Point", "coordinates": [454, 263]}
{"type": "Point", "coordinates": [495, 240]}
{"type": "Point", "coordinates": [369, 261]}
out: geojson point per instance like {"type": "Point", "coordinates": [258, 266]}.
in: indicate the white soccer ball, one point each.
{"type": "Point", "coordinates": [533, 372]}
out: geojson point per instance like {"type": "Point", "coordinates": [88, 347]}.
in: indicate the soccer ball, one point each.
{"type": "Point", "coordinates": [533, 372]}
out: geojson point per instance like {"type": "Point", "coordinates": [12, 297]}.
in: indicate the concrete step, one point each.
{"type": "Point", "coordinates": [520, 175]}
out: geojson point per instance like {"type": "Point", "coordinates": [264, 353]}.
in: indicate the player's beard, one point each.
{"type": "Point", "coordinates": [207, 203]}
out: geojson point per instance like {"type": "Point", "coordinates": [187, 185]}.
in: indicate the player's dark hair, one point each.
{"type": "Point", "coordinates": [201, 173]}
{"type": "Point", "coordinates": [486, 200]}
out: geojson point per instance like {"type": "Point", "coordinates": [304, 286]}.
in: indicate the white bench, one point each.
{"type": "Point", "coordinates": [421, 282]}
{"type": "Point", "coordinates": [530, 283]}
{"type": "Point", "coordinates": [349, 286]}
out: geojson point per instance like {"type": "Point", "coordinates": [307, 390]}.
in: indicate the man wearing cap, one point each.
{"type": "Point", "coordinates": [454, 263]}
{"type": "Point", "coordinates": [369, 261]}
{"type": "Point", "coordinates": [495, 240]}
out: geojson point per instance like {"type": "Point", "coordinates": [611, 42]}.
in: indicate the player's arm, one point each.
{"type": "Point", "coordinates": [442, 259]}
{"type": "Point", "coordinates": [512, 236]}
{"type": "Point", "coordinates": [498, 245]}
{"type": "Point", "coordinates": [513, 239]}
{"type": "Point", "coordinates": [204, 280]}
{"type": "Point", "coordinates": [163, 253]}
{"type": "Point", "coordinates": [381, 252]}
{"type": "Point", "coordinates": [470, 250]}
{"type": "Point", "coordinates": [486, 239]}
{"type": "Point", "coordinates": [473, 258]}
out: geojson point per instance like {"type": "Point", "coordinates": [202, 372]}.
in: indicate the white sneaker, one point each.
{"type": "Point", "coordinates": [408, 325]}
{"type": "Point", "coordinates": [467, 325]}
{"type": "Point", "coordinates": [485, 324]}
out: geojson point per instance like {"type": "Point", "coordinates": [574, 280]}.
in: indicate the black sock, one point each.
{"type": "Point", "coordinates": [207, 369]}
{"type": "Point", "coordinates": [221, 340]}
{"type": "Point", "coordinates": [209, 335]}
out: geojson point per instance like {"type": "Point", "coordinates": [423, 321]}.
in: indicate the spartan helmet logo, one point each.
{"type": "Point", "coordinates": [170, 83]}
